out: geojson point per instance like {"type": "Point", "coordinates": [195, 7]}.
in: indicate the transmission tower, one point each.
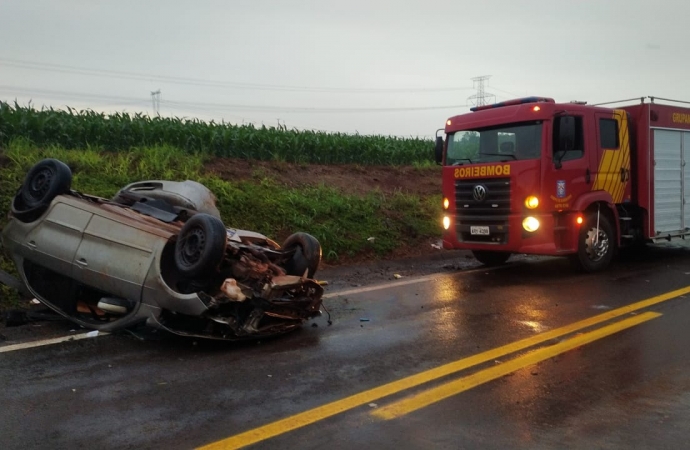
{"type": "Point", "coordinates": [482, 97]}
{"type": "Point", "coordinates": [156, 101]}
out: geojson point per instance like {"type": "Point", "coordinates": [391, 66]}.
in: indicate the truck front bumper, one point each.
{"type": "Point", "coordinates": [557, 235]}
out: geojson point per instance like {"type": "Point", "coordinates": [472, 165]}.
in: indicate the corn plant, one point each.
{"type": "Point", "coordinates": [121, 132]}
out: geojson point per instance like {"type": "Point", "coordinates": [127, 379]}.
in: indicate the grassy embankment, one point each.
{"type": "Point", "coordinates": [106, 154]}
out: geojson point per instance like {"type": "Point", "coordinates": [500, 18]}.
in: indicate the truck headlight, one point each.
{"type": "Point", "coordinates": [532, 202]}
{"type": "Point", "coordinates": [446, 203]}
{"type": "Point", "coordinates": [530, 224]}
{"type": "Point", "coordinates": [446, 222]}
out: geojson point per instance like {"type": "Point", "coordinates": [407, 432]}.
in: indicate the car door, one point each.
{"type": "Point", "coordinates": [114, 256]}
{"type": "Point", "coordinates": [53, 242]}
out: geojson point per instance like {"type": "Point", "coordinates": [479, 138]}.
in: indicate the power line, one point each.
{"type": "Point", "coordinates": [507, 92]}
{"type": "Point", "coordinates": [13, 91]}
{"type": "Point", "coordinates": [300, 109]}
{"type": "Point", "coordinates": [61, 68]}
{"type": "Point", "coordinates": [220, 106]}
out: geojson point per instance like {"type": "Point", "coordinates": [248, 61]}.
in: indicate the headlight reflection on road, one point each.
{"type": "Point", "coordinates": [535, 326]}
{"type": "Point", "coordinates": [447, 298]}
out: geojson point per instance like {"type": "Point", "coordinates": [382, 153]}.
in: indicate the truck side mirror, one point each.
{"type": "Point", "coordinates": [566, 134]}
{"type": "Point", "coordinates": [438, 153]}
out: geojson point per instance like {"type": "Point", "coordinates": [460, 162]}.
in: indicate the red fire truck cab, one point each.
{"type": "Point", "coordinates": [539, 177]}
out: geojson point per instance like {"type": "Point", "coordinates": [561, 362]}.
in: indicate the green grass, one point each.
{"type": "Point", "coordinates": [342, 223]}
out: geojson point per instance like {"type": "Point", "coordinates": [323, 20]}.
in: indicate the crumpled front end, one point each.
{"type": "Point", "coordinates": [286, 304]}
{"type": "Point", "coordinates": [252, 297]}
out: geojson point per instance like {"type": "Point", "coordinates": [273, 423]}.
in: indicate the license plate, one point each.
{"type": "Point", "coordinates": [484, 231]}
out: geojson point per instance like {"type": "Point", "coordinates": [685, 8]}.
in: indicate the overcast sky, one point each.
{"type": "Point", "coordinates": [373, 67]}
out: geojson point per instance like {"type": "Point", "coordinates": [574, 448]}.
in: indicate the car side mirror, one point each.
{"type": "Point", "coordinates": [438, 153]}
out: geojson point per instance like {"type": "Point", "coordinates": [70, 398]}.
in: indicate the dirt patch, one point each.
{"type": "Point", "coordinates": [349, 179]}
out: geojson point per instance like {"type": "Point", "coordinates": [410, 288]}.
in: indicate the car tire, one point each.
{"type": "Point", "coordinates": [307, 254]}
{"type": "Point", "coordinates": [45, 180]}
{"type": "Point", "coordinates": [491, 258]}
{"type": "Point", "coordinates": [200, 245]}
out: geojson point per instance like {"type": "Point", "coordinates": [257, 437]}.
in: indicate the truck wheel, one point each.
{"type": "Point", "coordinates": [306, 257]}
{"type": "Point", "coordinates": [491, 258]}
{"type": "Point", "coordinates": [45, 180]}
{"type": "Point", "coordinates": [594, 249]}
{"type": "Point", "coordinates": [200, 246]}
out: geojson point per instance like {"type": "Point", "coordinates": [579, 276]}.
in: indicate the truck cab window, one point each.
{"type": "Point", "coordinates": [578, 149]}
{"type": "Point", "coordinates": [503, 143]}
{"type": "Point", "coordinates": [608, 133]}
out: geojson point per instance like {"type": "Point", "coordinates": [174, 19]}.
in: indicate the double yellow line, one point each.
{"type": "Point", "coordinates": [453, 387]}
{"type": "Point", "coordinates": [449, 389]}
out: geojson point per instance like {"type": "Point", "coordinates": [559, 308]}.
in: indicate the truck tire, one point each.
{"type": "Point", "coordinates": [307, 254]}
{"type": "Point", "coordinates": [594, 251]}
{"type": "Point", "coordinates": [491, 258]}
{"type": "Point", "coordinates": [200, 246]}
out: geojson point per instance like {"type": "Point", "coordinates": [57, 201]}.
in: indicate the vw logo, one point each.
{"type": "Point", "coordinates": [479, 193]}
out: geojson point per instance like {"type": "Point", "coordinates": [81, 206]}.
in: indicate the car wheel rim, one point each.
{"type": "Point", "coordinates": [40, 184]}
{"type": "Point", "coordinates": [192, 247]}
{"type": "Point", "coordinates": [596, 244]}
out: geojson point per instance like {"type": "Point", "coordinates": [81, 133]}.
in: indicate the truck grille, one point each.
{"type": "Point", "coordinates": [490, 211]}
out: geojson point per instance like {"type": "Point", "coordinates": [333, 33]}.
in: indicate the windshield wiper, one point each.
{"type": "Point", "coordinates": [458, 163]}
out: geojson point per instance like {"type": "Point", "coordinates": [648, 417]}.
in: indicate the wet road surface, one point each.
{"type": "Point", "coordinates": [527, 356]}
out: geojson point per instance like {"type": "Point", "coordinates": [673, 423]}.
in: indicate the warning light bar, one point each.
{"type": "Point", "coordinates": [517, 101]}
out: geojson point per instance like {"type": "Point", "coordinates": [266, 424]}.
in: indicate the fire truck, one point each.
{"type": "Point", "coordinates": [565, 179]}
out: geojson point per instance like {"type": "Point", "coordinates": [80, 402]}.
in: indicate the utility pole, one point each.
{"type": "Point", "coordinates": [156, 101]}
{"type": "Point", "coordinates": [482, 97]}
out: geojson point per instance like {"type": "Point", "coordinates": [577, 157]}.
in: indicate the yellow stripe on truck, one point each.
{"type": "Point", "coordinates": [608, 176]}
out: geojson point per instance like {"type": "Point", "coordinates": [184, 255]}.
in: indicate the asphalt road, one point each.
{"type": "Point", "coordinates": [527, 356]}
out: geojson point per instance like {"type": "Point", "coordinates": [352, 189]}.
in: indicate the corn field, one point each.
{"type": "Point", "coordinates": [122, 132]}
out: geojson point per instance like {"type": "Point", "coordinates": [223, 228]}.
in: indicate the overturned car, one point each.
{"type": "Point", "coordinates": [157, 253]}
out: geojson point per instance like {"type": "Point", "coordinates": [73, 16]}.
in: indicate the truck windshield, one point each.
{"type": "Point", "coordinates": [502, 143]}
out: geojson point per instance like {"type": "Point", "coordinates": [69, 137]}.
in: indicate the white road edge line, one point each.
{"type": "Point", "coordinates": [430, 277]}
{"type": "Point", "coordinates": [382, 286]}
{"type": "Point", "coordinates": [90, 334]}
{"type": "Point", "coordinates": [76, 337]}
